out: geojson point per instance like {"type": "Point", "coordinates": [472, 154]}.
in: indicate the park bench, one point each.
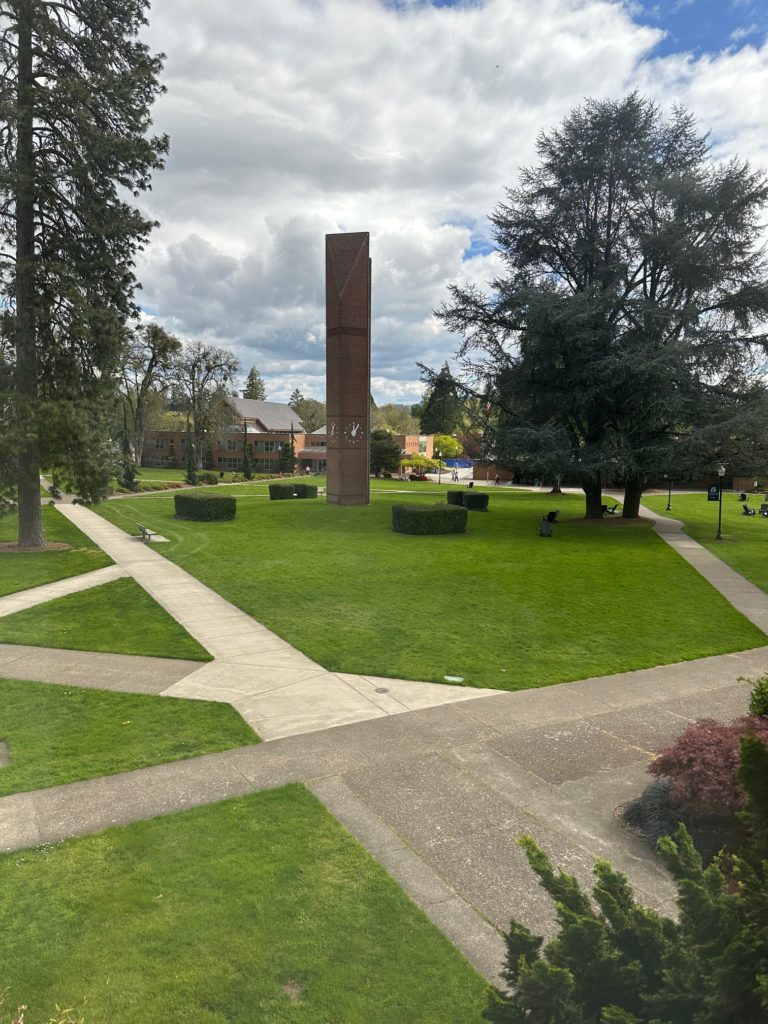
{"type": "Point", "coordinates": [610, 511]}
{"type": "Point", "coordinates": [763, 510]}
{"type": "Point", "coordinates": [743, 496]}
{"type": "Point", "coordinates": [146, 534]}
{"type": "Point", "coordinates": [748, 511]}
{"type": "Point", "coordinates": [552, 516]}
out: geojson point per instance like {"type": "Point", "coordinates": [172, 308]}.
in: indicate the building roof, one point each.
{"type": "Point", "coordinates": [320, 430]}
{"type": "Point", "coordinates": [272, 415]}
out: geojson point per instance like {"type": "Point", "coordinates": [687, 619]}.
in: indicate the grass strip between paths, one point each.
{"type": "Point", "coordinates": [499, 606]}
{"type": "Point", "coordinates": [117, 617]}
{"type": "Point", "coordinates": [22, 570]}
{"type": "Point", "coordinates": [260, 909]}
{"type": "Point", "coordinates": [59, 734]}
{"type": "Point", "coordinates": [745, 538]}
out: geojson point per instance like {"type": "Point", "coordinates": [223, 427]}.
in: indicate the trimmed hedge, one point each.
{"type": "Point", "coordinates": [205, 508]}
{"type": "Point", "coordinates": [282, 492]}
{"type": "Point", "coordinates": [207, 478]}
{"type": "Point", "coordinates": [455, 497]}
{"type": "Point", "coordinates": [429, 519]}
{"type": "Point", "coordinates": [305, 490]}
{"type": "Point", "coordinates": [474, 501]}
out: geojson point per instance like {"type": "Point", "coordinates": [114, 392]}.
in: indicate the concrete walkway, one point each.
{"type": "Point", "coordinates": [24, 599]}
{"type": "Point", "coordinates": [439, 796]}
{"type": "Point", "coordinates": [277, 689]}
{"type": "Point", "coordinates": [750, 600]}
{"type": "Point", "coordinates": [120, 672]}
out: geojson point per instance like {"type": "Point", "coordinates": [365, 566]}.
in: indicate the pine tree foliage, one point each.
{"type": "Point", "coordinates": [76, 88]}
{"type": "Point", "coordinates": [254, 386]}
{"type": "Point", "coordinates": [633, 307]}
{"type": "Point", "coordinates": [616, 962]}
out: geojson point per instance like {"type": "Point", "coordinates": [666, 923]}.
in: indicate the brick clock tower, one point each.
{"type": "Point", "coordinates": [348, 367]}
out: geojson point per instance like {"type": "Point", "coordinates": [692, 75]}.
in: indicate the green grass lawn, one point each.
{"type": "Point", "coordinates": [259, 910]}
{"type": "Point", "coordinates": [118, 617]}
{"type": "Point", "coordinates": [60, 734]}
{"type": "Point", "coordinates": [745, 538]}
{"type": "Point", "coordinates": [19, 571]}
{"type": "Point", "coordinates": [499, 606]}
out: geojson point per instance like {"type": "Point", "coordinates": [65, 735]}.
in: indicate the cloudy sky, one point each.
{"type": "Point", "coordinates": [407, 119]}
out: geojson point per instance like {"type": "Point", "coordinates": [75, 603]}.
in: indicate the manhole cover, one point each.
{"type": "Point", "coordinates": [381, 689]}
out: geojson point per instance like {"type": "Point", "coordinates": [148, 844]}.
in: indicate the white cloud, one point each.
{"type": "Point", "coordinates": [295, 119]}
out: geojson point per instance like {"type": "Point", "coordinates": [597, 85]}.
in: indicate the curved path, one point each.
{"type": "Point", "coordinates": [439, 795]}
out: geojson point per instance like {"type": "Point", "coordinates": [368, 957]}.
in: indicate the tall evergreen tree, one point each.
{"type": "Point", "coordinates": [254, 386]}
{"type": "Point", "coordinates": [634, 301]}
{"type": "Point", "coordinates": [296, 398]}
{"type": "Point", "coordinates": [76, 87]}
{"type": "Point", "coordinates": [441, 405]}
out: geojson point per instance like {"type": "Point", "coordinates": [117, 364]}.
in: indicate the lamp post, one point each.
{"type": "Point", "coordinates": [439, 467]}
{"type": "Point", "coordinates": [669, 495]}
{"type": "Point", "coordinates": [721, 474]}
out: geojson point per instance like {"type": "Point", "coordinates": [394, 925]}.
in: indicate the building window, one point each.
{"type": "Point", "coordinates": [233, 464]}
{"type": "Point", "coordinates": [161, 443]}
{"type": "Point", "coordinates": [271, 446]}
{"type": "Point", "coordinates": [233, 445]}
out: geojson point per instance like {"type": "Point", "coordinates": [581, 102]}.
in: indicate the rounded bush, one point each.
{"type": "Point", "coordinates": [455, 497]}
{"type": "Point", "coordinates": [280, 492]}
{"type": "Point", "coordinates": [475, 502]}
{"type": "Point", "coordinates": [428, 519]}
{"type": "Point", "coordinates": [703, 763]}
{"type": "Point", "coordinates": [204, 508]}
{"type": "Point", "coordinates": [207, 478]}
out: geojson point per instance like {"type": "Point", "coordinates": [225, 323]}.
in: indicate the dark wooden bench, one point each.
{"type": "Point", "coordinates": [146, 534]}
{"type": "Point", "coordinates": [763, 510]}
{"type": "Point", "coordinates": [748, 511]}
{"type": "Point", "coordinates": [552, 516]}
{"type": "Point", "coordinates": [610, 511]}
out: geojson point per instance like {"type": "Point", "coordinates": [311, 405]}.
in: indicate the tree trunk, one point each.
{"type": "Point", "coordinates": [593, 491]}
{"type": "Point", "coordinates": [633, 492]}
{"type": "Point", "coordinates": [30, 520]}
{"type": "Point", "coordinates": [556, 489]}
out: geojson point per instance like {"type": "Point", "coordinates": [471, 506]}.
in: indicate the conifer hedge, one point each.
{"type": "Point", "coordinates": [205, 508]}
{"type": "Point", "coordinates": [429, 519]}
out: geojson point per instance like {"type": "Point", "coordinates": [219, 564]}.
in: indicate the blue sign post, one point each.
{"type": "Point", "coordinates": [713, 493]}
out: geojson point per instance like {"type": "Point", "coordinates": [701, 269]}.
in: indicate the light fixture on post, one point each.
{"type": "Point", "coordinates": [669, 492]}
{"type": "Point", "coordinates": [721, 475]}
{"type": "Point", "coordinates": [439, 467]}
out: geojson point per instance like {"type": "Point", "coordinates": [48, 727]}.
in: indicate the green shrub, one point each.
{"type": "Point", "coordinates": [758, 700]}
{"type": "Point", "coordinates": [305, 490]}
{"type": "Point", "coordinates": [455, 497]}
{"type": "Point", "coordinates": [429, 519]}
{"type": "Point", "coordinates": [207, 478]}
{"type": "Point", "coordinates": [280, 492]}
{"type": "Point", "coordinates": [204, 508]}
{"type": "Point", "coordinates": [614, 961]}
{"type": "Point", "coordinates": [475, 502]}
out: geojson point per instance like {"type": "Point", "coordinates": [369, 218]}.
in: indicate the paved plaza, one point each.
{"type": "Point", "coordinates": [436, 782]}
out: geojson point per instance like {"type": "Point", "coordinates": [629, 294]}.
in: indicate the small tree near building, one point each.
{"type": "Point", "coordinates": [386, 453]}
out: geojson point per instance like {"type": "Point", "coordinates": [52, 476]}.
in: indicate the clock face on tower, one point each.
{"type": "Point", "coordinates": [346, 432]}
